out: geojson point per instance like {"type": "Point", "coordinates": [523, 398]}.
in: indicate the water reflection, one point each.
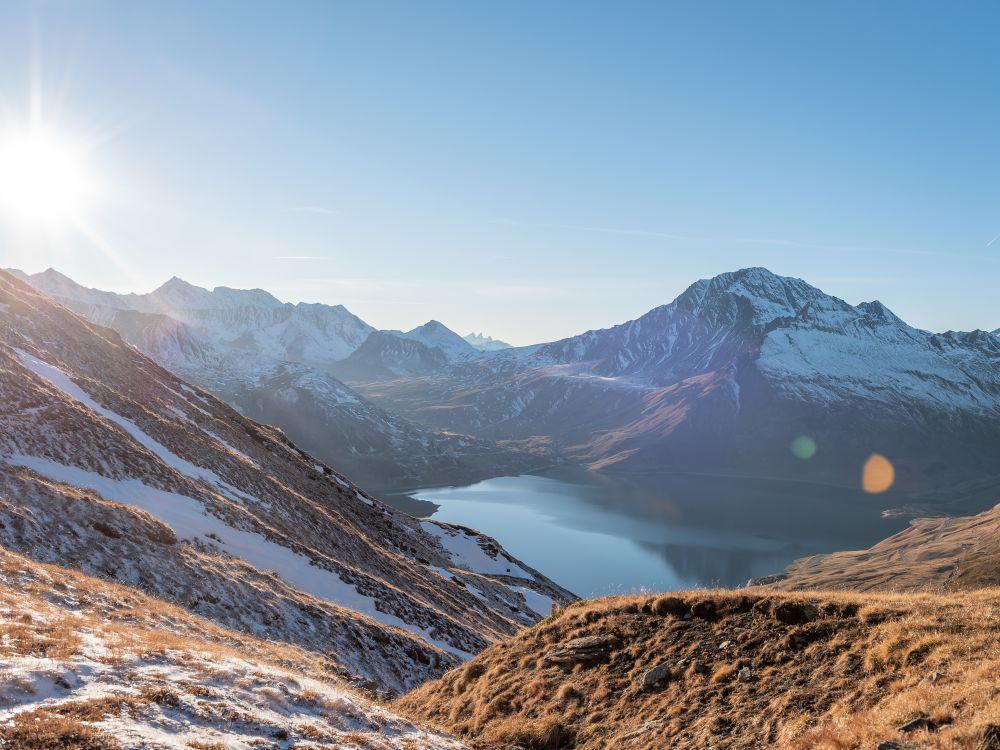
{"type": "Point", "coordinates": [602, 534]}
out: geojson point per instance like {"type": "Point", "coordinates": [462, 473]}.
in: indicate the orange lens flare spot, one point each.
{"type": "Point", "coordinates": [878, 474]}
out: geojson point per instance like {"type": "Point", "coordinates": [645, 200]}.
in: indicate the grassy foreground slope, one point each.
{"type": "Point", "coordinates": [90, 665]}
{"type": "Point", "coordinates": [736, 669]}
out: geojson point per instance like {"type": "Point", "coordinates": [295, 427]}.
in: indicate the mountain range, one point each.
{"type": "Point", "coordinates": [175, 574]}
{"type": "Point", "coordinates": [114, 466]}
{"type": "Point", "coordinates": [275, 362]}
{"type": "Point", "coordinates": [724, 379]}
{"type": "Point", "coordinates": [721, 380]}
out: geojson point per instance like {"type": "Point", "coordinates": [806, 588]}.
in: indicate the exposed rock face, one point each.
{"type": "Point", "coordinates": [113, 465]}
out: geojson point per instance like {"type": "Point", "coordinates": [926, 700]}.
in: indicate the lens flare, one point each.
{"type": "Point", "coordinates": [804, 447]}
{"type": "Point", "coordinates": [878, 474]}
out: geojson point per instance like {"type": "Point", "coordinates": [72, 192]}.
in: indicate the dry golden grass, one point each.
{"type": "Point", "coordinates": [847, 675]}
{"type": "Point", "coordinates": [41, 730]}
{"type": "Point", "coordinates": [932, 554]}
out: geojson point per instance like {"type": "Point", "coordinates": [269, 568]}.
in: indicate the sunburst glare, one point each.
{"type": "Point", "coordinates": [46, 183]}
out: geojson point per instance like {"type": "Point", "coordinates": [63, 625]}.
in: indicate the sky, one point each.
{"type": "Point", "coordinates": [531, 170]}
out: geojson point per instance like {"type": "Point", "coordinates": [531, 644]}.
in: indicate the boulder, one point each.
{"type": "Point", "coordinates": [656, 675]}
{"type": "Point", "coordinates": [586, 650]}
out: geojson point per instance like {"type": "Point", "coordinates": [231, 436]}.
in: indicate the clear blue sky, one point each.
{"type": "Point", "coordinates": [528, 169]}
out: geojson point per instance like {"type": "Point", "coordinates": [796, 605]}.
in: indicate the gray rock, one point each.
{"type": "Point", "coordinates": [744, 675]}
{"type": "Point", "coordinates": [656, 675]}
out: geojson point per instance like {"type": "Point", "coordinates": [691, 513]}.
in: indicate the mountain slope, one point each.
{"type": "Point", "coordinates": [724, 378]}
{"type": "Point", "coordinates": [114, 464]}
{"type": "Point", "coordinates": [388, 355]}
{"type": "Point", "coordinates": [272, 361]}
{"type": "Point", "coordinates": [933, 554]}
{"type": "Point", "coordinates": [91, 665]}
{"type": "Point", "coordinates": [737, 670]}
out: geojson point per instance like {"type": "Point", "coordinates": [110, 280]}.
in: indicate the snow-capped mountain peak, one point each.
{"type": "Point", "coordinates": [177, 293]}
{"type": "Point", "coordinates": [758, 293]}
{"type": "Point", "coordinates": [436, 334]}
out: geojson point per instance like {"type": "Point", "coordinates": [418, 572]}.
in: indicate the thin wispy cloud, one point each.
{"type": "Point", "coordinates": [313, 210]}
{"type": "Point", "coordinates": [301, 257]}
{"type": "Point", "coordinates": [990, 243]}
{"type": "Point", "coordinates": [603, 230]}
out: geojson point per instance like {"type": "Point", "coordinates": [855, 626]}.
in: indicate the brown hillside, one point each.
{"type": "Point", "coordinates": [735, 669]}
{"type": "Point", "coordinates": [933, 553]}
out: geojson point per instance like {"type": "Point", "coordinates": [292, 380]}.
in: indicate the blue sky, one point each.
{"type": "Point", "coordinates": [528, 169]}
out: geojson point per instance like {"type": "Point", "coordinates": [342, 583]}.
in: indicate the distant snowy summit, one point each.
{"type": "Point", "coordinates": [486, 343]}
{"type": "Point", "coordinates": [724, 379]}
{"type": "Point", "coordinates": [279, 363]}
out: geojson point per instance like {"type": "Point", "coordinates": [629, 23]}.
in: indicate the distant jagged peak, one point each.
{"type": "Point", "coordinates": [485, 342]}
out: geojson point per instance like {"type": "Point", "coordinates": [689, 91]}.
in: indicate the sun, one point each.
{"type": "Point", "coordinates": [45, 182]}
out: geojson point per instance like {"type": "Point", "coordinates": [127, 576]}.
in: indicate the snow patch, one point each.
{"type": "Point", "coordinates": [466, 552]}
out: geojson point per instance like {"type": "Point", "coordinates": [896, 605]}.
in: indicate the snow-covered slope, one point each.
{"type": "Point", "coordinates": [726, 376]}
{"type": "Point", "coordinates": [486, 343]}
{"type": "Point", "coordinates": [113, 465]}
{"type": "Point", "coordinates": [273, 362]}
